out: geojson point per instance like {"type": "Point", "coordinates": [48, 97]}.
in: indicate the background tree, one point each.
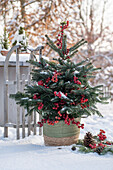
{"type": "Point", "coordinates": [88, 20]}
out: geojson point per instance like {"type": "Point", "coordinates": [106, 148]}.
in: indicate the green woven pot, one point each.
{"type": "Point", "coordinates": [61, 133]}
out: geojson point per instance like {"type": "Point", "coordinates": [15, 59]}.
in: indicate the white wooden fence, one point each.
{"type": "Point", "coordinates": [108, 92]}
{"type": "Point", "coordinates": [20, 84]}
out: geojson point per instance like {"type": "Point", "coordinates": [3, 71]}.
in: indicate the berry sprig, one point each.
{"type": "Point", "coordinates": [60, 116]}
{"type": "Point", "coordinates": [63, 26]}
{"type": "Point", "coordinates": [102, 135]}
{"type": "Point", "coordinates": [39, 104]}
{"type": "Point", "coordinates": [102, 143]}
{"type": "Point", "coordinates": [97, 145]}
{"type": "Point", "coordinates": [76, 80]}
{"type": "Point", "coordinates": [54, 78]}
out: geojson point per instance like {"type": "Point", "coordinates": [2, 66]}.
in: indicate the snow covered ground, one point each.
{"type": "Point", "coordinates": [31, 153]}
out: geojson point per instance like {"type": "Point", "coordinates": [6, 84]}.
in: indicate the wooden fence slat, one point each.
{"type": "Point", "coordinates": [40, 117]}
{"type": "Point", "coordinates": [5, 109]}
{"type": "Point", "coordinates": [29, 117]}
{"type": "Point", "coordinates": [5, 98]}
{"type": "Point", "coordinates": [18, 122]}
{"type": "Point", "coordinates": [23, 110]}
{"type": "Point", "coordinates": [6, 89]}
{"type": "Point", "coordinates": [29, 125]}
{"type": "Point", "coordinates": [34, 122]}
{"type": "Point", "coordinates": [40, 129]}
{"type": "Point", "coordinates": [17, 89]}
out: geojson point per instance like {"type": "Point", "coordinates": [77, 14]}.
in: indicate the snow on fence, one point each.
{"type": "Point", "coordinates": [20, 84]}
{"type": "Point", "coordinates": [108, 92]}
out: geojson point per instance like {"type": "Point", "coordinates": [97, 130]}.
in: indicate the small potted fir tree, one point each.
{"type": "Point", "coordinates": [20, 38]}
{"type": "Point", "coordinates": [61, 93]}
{"type": "Point", "coordinates": [4, 43]}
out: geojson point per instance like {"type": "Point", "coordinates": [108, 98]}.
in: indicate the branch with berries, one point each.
{"type": "Point", "coordinates": [98, 144]}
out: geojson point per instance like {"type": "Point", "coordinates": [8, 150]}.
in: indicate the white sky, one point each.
{"type": "Point", "coordinates": [109, 14]}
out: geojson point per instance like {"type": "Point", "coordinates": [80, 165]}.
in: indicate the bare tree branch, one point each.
{"type": "Point", "coordinates": [102, 19]}
{"type": "Point", "coordinates": [32, 1]}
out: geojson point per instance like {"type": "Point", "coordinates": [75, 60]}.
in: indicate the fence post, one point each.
{"type": "Point", "coordinates": [5, 101]}
{"type": "Point", "coordinates": [23, 110]}
{"type": "Point", "coordinates": [6, 89]}
{"type": "Point", "coordinates": [40, 117]}
{"type": "Point", "coordinates": [18, 89]}
{"type": "Point", "coordinates": [34, 122]}
{"type": "Point", "coordinates": [30, 117]}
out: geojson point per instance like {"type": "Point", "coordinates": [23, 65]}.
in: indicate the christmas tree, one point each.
{"type": "Point", "coordinates": [61, 90]}
{"type": "Point", "coordinates": [20, 38]}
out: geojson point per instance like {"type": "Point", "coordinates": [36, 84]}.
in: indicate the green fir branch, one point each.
{"type": "Point", "coordinates": [54, 47]}
{"type": "Point", "coordinates": [77, 46]}
{"type": "Point", "coordinates": [71, 55]}
{"type": "Point", "coordinates": [78, 43]}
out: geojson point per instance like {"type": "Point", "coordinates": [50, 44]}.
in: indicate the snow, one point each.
{"type": "Point", "coordinates": [31, 153]}
{"type": "Point", "coordinates": [38, 47]}
{"type": "Point", "coordinates": [76, 72]}
{"type": "Point", "coordinates": [43, 72]}
{"type": "Point", "coordinates": [25, 98]}
{"type": "Point", "coordinates": [63, 95]}
{"type": "Point", "coordinates": [108, 70]}
{"type": "Point", "coordinates": [22, 57]}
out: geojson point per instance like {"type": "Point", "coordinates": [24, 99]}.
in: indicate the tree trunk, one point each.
{"type": "Point", "coordinates": [22, 2]}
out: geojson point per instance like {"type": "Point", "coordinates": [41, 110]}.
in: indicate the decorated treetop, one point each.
{"type": "Point", "coordinates": [61, 48]}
